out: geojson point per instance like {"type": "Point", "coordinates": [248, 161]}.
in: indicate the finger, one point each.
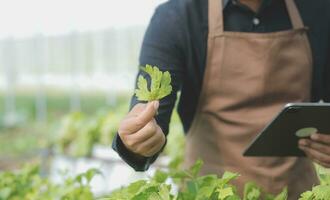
{"type": "Point", "coordinates": [316, 146]}
{"type": "Point", "coordinates": [316, 155]}
{"type": "Point", "coordinates": [322, 138]}
{"type": "Point", "coordinates": [327, 165]}
{"type": "Point", "coordinates": [145, 133]}
{"type": "Point", "coordinates": [144, 148]}
{"type": "Point", "coordinates": [132, 124]}
{"type": "Point", "coordinates": [128, 126]}
{"type": "Point", "coordinates": [153, 150]}
{"type": "Point", "coordinates": [157, 147]}
{"type": "Point", "coordinates": [137, 109]}
{"type": "Point", "coordinates": [148, 113]}
{"type": "Point", "coordinates": [307, 153]}
{"type": "Point", "coordinates": [148, 145]}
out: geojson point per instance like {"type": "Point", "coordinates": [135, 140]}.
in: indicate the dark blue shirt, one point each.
{"type": "Point", "coordinates": [176, 41]}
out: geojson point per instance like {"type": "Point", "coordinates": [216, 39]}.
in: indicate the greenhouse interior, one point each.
{"type": "Point", "coordinates": [68, 72]}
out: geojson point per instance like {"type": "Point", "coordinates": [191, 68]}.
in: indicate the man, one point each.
{"type": "Point", "coordinates": [236, 64]}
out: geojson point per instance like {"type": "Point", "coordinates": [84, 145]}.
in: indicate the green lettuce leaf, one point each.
{"type": "Point", "coordinates": [160, 84]}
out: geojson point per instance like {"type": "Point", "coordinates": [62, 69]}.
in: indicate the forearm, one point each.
{"type": "Point", "coordinates": [162, 48]}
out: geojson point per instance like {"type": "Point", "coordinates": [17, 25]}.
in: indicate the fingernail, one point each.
{"type": "Point", "coordinates": [302, 142]}
{"type": "Point", "coordinates": [156, 105]}
{"type": "Point", "coordinates": [314, 136]}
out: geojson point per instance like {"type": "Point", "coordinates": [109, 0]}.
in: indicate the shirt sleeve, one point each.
{"type": "Point", "coordinates": [162, 47]}
{"type": "Point", "coordinates": [326, 78]}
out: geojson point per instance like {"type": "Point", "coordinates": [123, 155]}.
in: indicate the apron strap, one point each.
{"type": "Point", "coordinates": [294, 14]}
{"type": "Point", "coordinates": [215, 15]}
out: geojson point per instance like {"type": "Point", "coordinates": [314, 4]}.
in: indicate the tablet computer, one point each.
{"type": "Point", "coordinates": [296, 120]}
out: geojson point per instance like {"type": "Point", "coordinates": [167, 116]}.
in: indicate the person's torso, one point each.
{"type": "Point", "coordinates": [248, 78]}
{"type": "Point", "coordinates": [271, 17]}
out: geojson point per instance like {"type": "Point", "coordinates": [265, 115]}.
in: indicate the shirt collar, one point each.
{"type": "Point", "coordinates": [264, 3]}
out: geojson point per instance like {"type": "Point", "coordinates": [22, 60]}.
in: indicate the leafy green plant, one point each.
{"type": "Point", "coordinates": [27, 184]}
{"type": "Point", "coordinates": [322, 191]}
{"type": "Point", "coordinates": [69, 130]}
{"type": "Point", "coordinates": [191, 187]}
{"type": "Point", "coordinates": [282, 196]}
{"type": "Point", "coordinates": [323, 174]}
{"type": "Point", "coordinates": [251, 191]}
{"type": "Point", "coordinates": [109, 126]}
{"type": "Point", "coordinates": [174, 148]}
{"type": "Point", "coordinates": [160, 85]}
{"type": "Point", "coordinates": [153, 189]}
{"type": "Point", "coordinates": [88, 134]}
{"type": "Point", "coordinates": [78, 133]}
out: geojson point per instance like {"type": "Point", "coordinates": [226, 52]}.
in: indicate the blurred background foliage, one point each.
{"type": "Point", "coordinates": [67, 71]}
{"type": "Point", "coordinates": [71, 133]}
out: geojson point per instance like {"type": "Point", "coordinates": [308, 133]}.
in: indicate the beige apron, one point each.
{"type": "Point", "coordinates": [248, 78]}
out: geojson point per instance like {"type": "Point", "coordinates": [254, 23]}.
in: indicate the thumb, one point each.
{"type": "Point", "coordinates": [148, 113]}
